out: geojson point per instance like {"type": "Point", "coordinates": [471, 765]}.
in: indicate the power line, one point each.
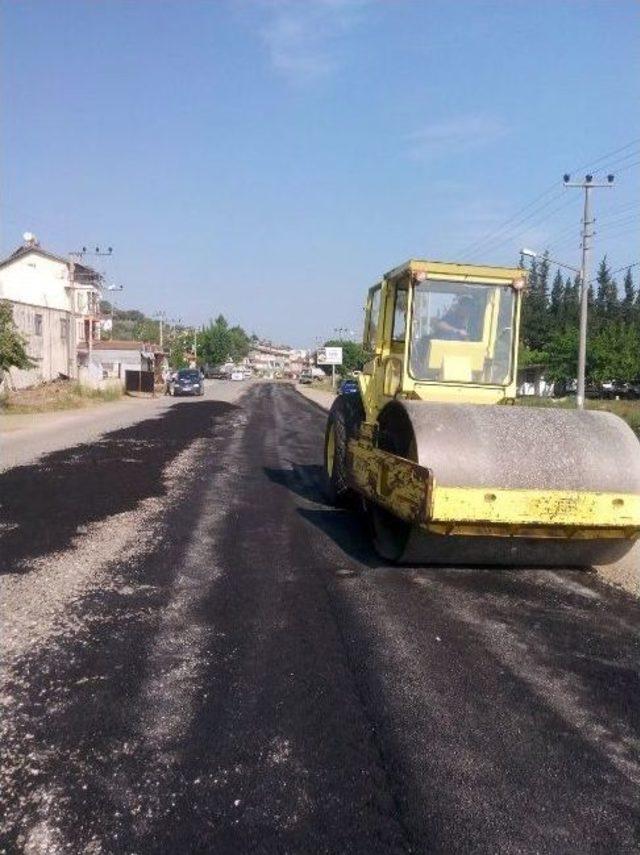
{"type": "Point", "coordinates": [496, 233]}
{"type": "Point", "coordinates": [629, 166]}
{"type": "Point", "coordinates": [635, 229]}
{"type": "Point", "coordinates": [558, 236]}
{"type": "Point", "coordinates": [613, 164]}
{"type": "Point", "coordinates": [624, 267]}
{"type": "Point", "coordinates": [479, 241]}
{"type": "Point", "coordinates": [590, 164]}
{"type": "Point", "coordinates": [621, 221]}
{"type": "Point", "coordinates": [513, 236]}
{"type": "Point", "coordinates": [623, 210]}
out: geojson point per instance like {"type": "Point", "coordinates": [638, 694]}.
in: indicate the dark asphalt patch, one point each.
{"type": "Point", "coordinates": [44, 505]}
{"type": "Point", "coordinates": [80, 695]}
{"type": "Point", "coordinates": [344, 706]}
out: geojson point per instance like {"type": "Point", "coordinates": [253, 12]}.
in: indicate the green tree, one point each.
{"type": "Point", "coordinates": [239, 343]}
{"type": "Point", "coordinates": [571, 301]}
{"type": "Point", "coordinates": [627, 305]}
{"type": "Point", "coordinates": [556, 305]}
{"type": "Point", "coordinates": [615, 351]}
{"type": "Point", "coordinates": [215, 342]}
{"type": "Point", "coordinates": [606, 301]}
{"type": "Point", "coordinates": [535, 314]}
{"type": "Point", "coordinates": [528, 357]}
{"type": "Point", "coordinates": [562, 363]}
{"type": "Point", "coordinates": [13, 347]}
{"type": "Point", "coordinates": [179, 344]}
{"type": "Point", "coordinates": [219, 342]}
{"type": "Point", "coordinates": [147, 330]}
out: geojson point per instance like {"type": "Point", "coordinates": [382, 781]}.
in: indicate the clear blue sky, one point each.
{"type": "Point", "coordinates": [269, 159]}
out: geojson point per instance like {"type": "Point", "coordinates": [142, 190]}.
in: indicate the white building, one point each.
{"type": "Point", "coordinates": [267, 359]}
{"type": "Point", "coordinates": [56, 307]}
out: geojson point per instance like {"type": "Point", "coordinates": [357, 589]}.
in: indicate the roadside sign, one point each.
{"type": "Point", "coordinates": [329, 356]}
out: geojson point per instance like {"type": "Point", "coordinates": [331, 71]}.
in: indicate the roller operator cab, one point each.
{"type": "Point", "coordinates": [448, 471]}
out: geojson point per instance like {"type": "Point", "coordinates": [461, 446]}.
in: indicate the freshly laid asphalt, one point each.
{"type": "Point", "coordinates": [201, 656]}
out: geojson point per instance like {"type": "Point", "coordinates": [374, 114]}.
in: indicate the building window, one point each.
{"type": "Point", "coordinates": [64, 328]}
{"type": "Point", "coordinates": [37, 324]}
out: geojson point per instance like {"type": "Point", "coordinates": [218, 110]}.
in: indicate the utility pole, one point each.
{"type": "Point", "coordinates": [93, 310]}
{"type": "Point", "coordinates": [73, 333]}
{"type": "Point", "coordinates": [161, 316]}
{"type": "Point", "coordinates": [587, 233]}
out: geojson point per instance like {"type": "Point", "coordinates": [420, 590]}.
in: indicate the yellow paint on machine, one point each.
{"type": "Point", "coordinates": [409, 491]}
{"type": "Point", "coordinates": [580, 515]}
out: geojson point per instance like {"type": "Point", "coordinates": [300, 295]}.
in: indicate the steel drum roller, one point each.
{"type": "Point", "coordinates": [508, 447]}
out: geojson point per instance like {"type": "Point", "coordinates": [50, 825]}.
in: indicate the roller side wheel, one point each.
{"type": "Point", "coordinates": [343, 423]}
{"type": "Point", "coordinates": [390, 535]}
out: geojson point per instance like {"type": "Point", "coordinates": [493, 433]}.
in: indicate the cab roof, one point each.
{"type": "Point", "coordinates": [451, 269]}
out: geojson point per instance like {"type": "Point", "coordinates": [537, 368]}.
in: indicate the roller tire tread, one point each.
{"type": "Point", "coordinates": [346, 415]}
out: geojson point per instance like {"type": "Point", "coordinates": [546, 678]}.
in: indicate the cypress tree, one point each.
{"type": "Point", "coordinates": [627, 306]}
{"type": "Point", "coordinates": [607, 295]}
{"type": "Point", "coordinates": [571, 301]}
{"type": "Point", "coordinates": [535, 326]}
{"type": "Point", "coordinates": [556, 307]}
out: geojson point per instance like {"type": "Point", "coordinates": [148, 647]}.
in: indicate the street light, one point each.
{"type": "Point", "coordinates": [529, 253]}
{"type": "Point", "coordinates": [113, 288]}
{"type": "Point", "coordinates": [162, 317]}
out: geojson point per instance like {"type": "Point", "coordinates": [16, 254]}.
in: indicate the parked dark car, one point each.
{"type": "Point", "coordinates": [188, 381]}
{"type": "Point", "coordinates": [612, 389]}
{"type": "Point", "coordinates": [349, 387]}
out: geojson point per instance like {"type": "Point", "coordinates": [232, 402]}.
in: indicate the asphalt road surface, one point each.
{"type": "Point", "coordinates": [200, 656]}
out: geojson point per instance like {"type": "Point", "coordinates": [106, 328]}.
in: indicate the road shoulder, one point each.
{"type": "Point", "coordinates": [25, 438]}
{"type": "Point", "coordinates": [318, 396]}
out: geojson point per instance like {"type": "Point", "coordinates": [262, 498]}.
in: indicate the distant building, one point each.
{"type": "Point", "coordinates": [267, 360]}
{"type": "Point", "coordinates": [55, 306]}
{"type": "Point", "coordinates": [113, 358]}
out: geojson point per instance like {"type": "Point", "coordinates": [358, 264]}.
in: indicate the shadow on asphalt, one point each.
{"type": "Point", "coordinates": [348, 529]}
{"type": "Point", "coordinates": [44, 505]}
{"type": "Point", "coordinates": [304, 481]}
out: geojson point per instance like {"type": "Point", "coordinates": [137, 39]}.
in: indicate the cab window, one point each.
{"type": "Point", "coordinates": [399, 329]}
{"type": "Point", "coordinates": [374, 315]}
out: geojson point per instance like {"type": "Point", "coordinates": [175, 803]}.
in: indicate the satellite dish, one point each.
{"type": "Point", "coordinates": [29, 238]}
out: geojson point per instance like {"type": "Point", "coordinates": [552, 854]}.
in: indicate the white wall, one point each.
{"type": "Point", "coordinates": [39, 286]}
{"type": "Point", "coordinates": [36, 281]}
{"type": "Point", "coordinates": [49, 350]}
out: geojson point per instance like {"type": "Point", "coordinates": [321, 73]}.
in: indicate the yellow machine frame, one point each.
{"type": "Point", "coordinates": [410, 491]}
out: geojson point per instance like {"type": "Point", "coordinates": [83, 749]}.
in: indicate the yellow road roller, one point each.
{"type": "Point", "coordinates": [449, 471]}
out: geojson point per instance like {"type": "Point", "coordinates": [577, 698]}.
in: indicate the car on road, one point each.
{"type": "Point", "coordinates": [215, 372]}
{"type": "Point", "coordinates": [188, 381]}
{"type": "Point", "coordinates": [237, 375]}
{"type": "Point", "coordinates": [306, 377]}
{"type": "Point", "coordinates": [349, 387]}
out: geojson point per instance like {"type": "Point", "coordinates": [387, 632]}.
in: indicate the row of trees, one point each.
{"type": "Point", "coordinates": [550, 320]}
{"type": "Point", "coordinates": [216, 343]}
{"type": "Point", "coordinates": [131, 324]}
